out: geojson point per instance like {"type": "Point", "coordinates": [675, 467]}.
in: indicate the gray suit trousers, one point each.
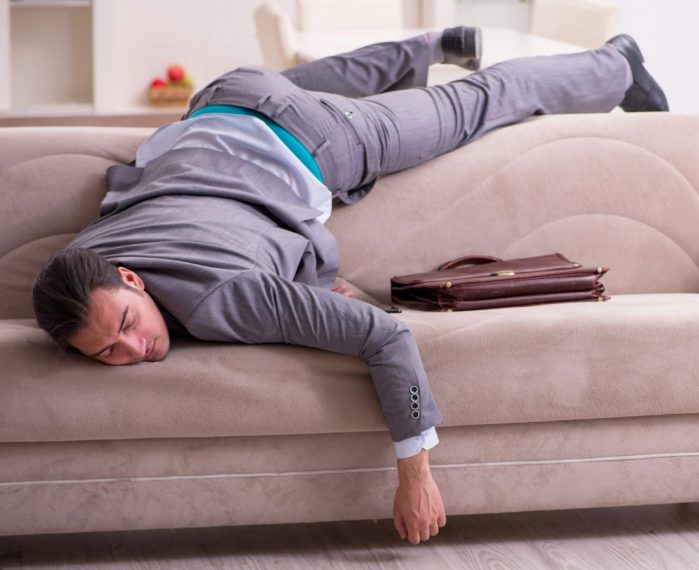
{"type": "Point", "coordinates": [368, 113]}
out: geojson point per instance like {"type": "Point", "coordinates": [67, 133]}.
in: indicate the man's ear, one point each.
{"type": "Point", "coordinates": [131, 278]}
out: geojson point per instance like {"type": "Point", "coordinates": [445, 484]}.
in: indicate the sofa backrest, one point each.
{"type": "Point", "coordinates": [52, 180]}
{"type": "Point", "coordinates": [616, 190]}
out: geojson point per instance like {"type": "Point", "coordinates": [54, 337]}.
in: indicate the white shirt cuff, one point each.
{"type": "Point", "coordinates": [412, 446]}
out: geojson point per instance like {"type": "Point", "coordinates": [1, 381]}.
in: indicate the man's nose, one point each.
{"type": "Point", "coordinates": [136, 346]}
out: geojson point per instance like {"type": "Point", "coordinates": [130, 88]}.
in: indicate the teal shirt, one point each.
{"type": "Point", "coordinates": [291, 142]}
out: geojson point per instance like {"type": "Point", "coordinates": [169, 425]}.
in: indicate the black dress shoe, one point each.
{"type": "Point", "coordinates": [463, 46]}
{"type": "Point", "coordinates": [644, 94]}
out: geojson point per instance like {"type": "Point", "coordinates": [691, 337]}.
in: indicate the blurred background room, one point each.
{"type": "Point", "coordinates": [135, 62]}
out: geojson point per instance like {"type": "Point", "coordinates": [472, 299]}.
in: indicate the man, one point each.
{"type": "Point", "coordinates": [217, 230]}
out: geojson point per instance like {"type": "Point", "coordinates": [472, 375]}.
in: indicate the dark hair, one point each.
{"type": "Point", "coordinates": [61, 292]}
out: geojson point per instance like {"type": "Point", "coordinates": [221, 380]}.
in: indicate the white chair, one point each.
{"type": "Point", "coordinates": [276, 36]}
{"type": "Point", "coordinates": [328, 15]}
{"type": "Point", "coordinates": [587, 23]}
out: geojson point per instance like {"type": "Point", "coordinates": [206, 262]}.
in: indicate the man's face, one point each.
{"type": "Point", "coordinates": [124, 325]}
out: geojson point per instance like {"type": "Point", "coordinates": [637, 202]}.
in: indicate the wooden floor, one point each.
{"type": "Point", "coordinates": [655, 537]}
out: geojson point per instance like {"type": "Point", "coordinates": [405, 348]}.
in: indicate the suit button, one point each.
{"type": "Point", "coordinates": [414, 390]}
{"type": "Point", "coordinates": [414, 397]}
{"type": "Point", "coordinates": [415, 414]}
{"type": "Point", "coordinates": [415, 405]}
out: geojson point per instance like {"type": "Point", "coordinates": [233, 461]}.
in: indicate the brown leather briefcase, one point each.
{"type": "Point", "coordinates": [490, 282]}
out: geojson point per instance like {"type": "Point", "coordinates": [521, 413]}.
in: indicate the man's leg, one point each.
{"type": "Point", "coordinates": [404, 128]}
{"type": "Point", "coordinates": [389, 66]}
{"type": "Point", "coordinates": [368, 70]}
{"type": "Point", "coordinates": [356, 140]}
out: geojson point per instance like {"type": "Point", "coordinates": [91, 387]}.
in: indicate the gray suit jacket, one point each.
{"type": "Point", "coordinates": [234, 255]}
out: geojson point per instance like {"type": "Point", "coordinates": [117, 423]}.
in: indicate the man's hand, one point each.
{"type": "Point", "coordinates": [418, 511]}
{"type": "Point", "coordinates": [341, 288]}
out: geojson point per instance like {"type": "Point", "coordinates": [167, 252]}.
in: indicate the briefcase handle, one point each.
{"type": "Point", "coordinates": [468, 260]}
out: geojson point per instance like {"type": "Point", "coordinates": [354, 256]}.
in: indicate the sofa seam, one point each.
{"type": "Point", "coordinates": [603, 459]}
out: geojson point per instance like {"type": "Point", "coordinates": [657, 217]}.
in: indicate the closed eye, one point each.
{"type": "Point", "coordinates": [105, 354]}
{"type": "Point", "coordinates": [102, 353]}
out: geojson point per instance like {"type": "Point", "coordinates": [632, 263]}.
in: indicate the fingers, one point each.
{"type": "Point", "coordinates": [417, 534]}
{"type": "Point", "coordinates": [414, 535]}
{"type": "Point", "coordinates": [417, 516]}
{"type": "Point", "coordinates": [343, 290]}
{"type": "Point", "coordinates": [399, 525]}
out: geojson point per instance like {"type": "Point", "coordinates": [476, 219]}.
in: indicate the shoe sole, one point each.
{"type": "Point", "coordinates": [478, 43]}
{"type": "Point", "coordinates": [473, 63]}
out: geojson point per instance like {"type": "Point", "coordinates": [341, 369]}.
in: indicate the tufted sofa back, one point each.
{"type": "Point", "coordinates": [52, 180]}
{"type": "Point", "coordinates": [616, 190]}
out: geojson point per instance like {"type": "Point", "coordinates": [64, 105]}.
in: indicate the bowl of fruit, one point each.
{"type": "Point", "coordinates": [174, 91]}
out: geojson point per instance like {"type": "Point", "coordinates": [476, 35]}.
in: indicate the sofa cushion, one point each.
{"type": "Point", "coordinates": [632, 356]}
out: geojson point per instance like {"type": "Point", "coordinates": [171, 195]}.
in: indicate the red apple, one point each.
{"type": "Point", "coordinates": [158, 83]}
{"type": "Point", "coordinates": [175, 73]}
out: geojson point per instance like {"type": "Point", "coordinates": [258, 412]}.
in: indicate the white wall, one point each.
{"type": "Point", "coordinates": [135, 41]}
{"type": "Point", "coordinates": [503, 14]}
{"type": "Point", "coordinates": [4, 54]}
{"type": "Point", "coordinates": [667, 33]}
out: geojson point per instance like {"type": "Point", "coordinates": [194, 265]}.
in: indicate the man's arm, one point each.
{"type": "Point", "coordinates": [257, 307]}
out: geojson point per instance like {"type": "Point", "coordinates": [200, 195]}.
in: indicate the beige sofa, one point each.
{"type": "Point", "coordinates": [546, 407]}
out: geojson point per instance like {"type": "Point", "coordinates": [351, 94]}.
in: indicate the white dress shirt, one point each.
{"type": "Point", "coordinates": [245, 137]}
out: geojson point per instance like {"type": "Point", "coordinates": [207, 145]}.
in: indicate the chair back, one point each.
{"type": "Point", "coordinates": [276, 37]}
{"type": "Point", "coordinates": [587, 23]}
{"type": "Point", "coordinates": [327, 15]}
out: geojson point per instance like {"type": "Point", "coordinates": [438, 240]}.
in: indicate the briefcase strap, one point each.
{"type": "Point", "coordinates": [468, 260]}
